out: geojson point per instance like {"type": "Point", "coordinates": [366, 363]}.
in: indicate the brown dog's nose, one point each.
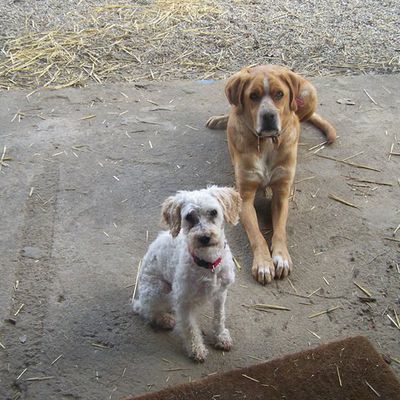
{"type": "Point", "coordinates": [204, 240]}
{"type": "Point", "coordinates": [269, 121]}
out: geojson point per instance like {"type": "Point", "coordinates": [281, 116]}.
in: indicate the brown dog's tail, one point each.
{"type": "Point", "coordinates": [324, 126]}
{"type": "Point", "coordinates": [217, 122]}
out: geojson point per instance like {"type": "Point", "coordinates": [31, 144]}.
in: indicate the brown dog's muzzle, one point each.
{"type": "Point", "coordinates": [269, 122]}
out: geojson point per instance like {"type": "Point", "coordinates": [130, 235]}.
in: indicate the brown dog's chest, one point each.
{"type": "Point", "coordinates": [260, 168]}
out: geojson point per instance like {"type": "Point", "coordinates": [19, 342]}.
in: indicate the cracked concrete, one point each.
{"type": "Point", "coordinates": [89, 169]}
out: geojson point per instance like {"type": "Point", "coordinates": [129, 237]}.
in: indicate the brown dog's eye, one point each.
{"type": "Point", "coordinates": [278, 95]}
{"type": "Point", "coordinates": [213, 213]}
{"type": "Point", "coordinates": [255, 97]}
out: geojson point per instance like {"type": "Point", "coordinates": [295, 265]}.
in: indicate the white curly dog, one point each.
{"type": "Point", "coordinates": [189, 265]}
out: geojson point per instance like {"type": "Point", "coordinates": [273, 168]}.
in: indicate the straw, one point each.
{"type": "Point", "coordinates": [190, 39]}
{"type": "Point", "coordinates": [137, 279]}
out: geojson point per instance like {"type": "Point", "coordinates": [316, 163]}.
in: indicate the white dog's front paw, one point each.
{"type": "Point", "coordinates": [223, 341]}
{"type": "Point", "coordinates": [165, 321]}
{"type": "Point", "coordinates": [198, 353]}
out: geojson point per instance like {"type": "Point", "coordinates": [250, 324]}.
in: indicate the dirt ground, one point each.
{"type": "Point", "coordinates": [86, 171]}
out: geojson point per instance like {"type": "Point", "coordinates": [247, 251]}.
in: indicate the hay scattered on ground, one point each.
{"type": "Point", "coordinates": [194, 39]}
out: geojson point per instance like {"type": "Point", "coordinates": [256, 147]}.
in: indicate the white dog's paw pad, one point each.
{"type": "Point", "coordinates": [223, 342]}
{"type": "Point", "coordinates": [199, 354]}
{"type": "Point", "coordinates": [282, 267]}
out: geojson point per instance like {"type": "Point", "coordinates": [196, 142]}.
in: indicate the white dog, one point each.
{"type": "Point", "coordinates": [190, 264]}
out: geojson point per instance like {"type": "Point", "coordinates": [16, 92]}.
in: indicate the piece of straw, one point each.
{"type": "Point", "coordinates": [338, 375]}
{"type": "Point", "coordinates": [376, 393]}
{"type": "Point", "coordinates": [370, 181]}
{"type": "Point", "coordinates": [329, 310]}
{"type": "Point", "coordinates": [393, 321]}
{"type": "Point", "coordinates": [2, 157]}
{"type": "Point", "coordinates": [88, 117]}
{"type": "Point", "coordinates": [39, 378]}
{"type": "Point", "coordinates": [314, 334]}
{"type": "Point", "coordinates": [363, 289]}
{"type": "Point", "coordinates": [270, 307]}
{"type": "Point", "coordinates": [19, 309]}
{"type": "Point", "coordinates": [238, 266]}
{"type": "Point", "coordinates": [291, 284]}
{"type": "Point", "coordinates": [369, 96]}
{"type": "Point", "coordinates": [340, 200]}
{"type": "Point", "coordinates": [19, 376]}
{"type": "Point", "coordinates": [55, 360]}
{"type": "Point", "coordinates": [304, 179]}
{"type": "Point", "coordinates": [315, 291]}
{"type": "Point", "coordinates": [250, 378]}
{"type": "Point", "coordinates": [137, 278]}
{"type": "Point", "coordinates": [392, 239]}
{"type": "Point", "coordinates": [363, 166]}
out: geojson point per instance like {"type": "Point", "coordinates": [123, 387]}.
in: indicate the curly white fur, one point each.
{"type": "Point", "coordinates": [171, 285]}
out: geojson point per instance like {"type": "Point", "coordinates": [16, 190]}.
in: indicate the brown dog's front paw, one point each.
{"type": "Point", "coordinates": [283, 264]}
{"type": "Point", "coordinates": [263, 271]}
{"type": "Point", "coordinates": [217, 122]}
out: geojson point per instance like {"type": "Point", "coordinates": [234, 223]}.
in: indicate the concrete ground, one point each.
{"type": "Point", "coordinates": [80, 199]}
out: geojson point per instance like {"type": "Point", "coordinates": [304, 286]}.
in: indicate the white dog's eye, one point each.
{"type": "Point", "coordinates": [191, 218]}
{"type": "Point", "coordinates": [213, 213]}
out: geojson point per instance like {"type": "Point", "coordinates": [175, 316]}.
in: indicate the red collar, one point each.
{"type": "Point", "coordinates": [300, 102]}
{"type": "Point", "coordinates": [205, 264]}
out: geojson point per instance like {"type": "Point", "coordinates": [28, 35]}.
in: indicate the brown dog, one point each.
{"type": "Point", "coordinates": [263, 127]}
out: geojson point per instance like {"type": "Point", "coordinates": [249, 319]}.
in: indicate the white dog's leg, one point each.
{"type": "Point", "coordinates": [223, 340]}
{"type": "Point", "coordinates": [190, 332]}
{"type": "Point", "coordinates": [154, 302]}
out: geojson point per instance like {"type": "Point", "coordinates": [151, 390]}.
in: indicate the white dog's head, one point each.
{"type": "Point", "coordinates": [200, 215]}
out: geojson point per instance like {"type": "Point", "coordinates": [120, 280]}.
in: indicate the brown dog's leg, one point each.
{"type": "Point", "coordinates": [280, 208]}
{"type": "Point", "coordinates": [263, 268]}
{"type": "Point", "coordinates": [324, 126]}
{"type": "Point", "coordinates": [217, 122]}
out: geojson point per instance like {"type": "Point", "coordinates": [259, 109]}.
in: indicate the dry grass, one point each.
{"type": "Point", "coordinates": [99, 48]}
{"type": "Point", "coordinates": [195, 39]}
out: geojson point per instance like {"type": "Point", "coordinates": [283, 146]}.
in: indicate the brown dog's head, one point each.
{"type": "Point", "coordinates": [264, 95]}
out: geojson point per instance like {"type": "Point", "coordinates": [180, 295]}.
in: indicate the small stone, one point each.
{"type": "Point", "coordinates": [22, 338]}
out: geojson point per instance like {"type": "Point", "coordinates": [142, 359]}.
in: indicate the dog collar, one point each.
{"type": "Point", "coordinates": [206, 264]}
{"type": "Point", "coordinates": [299, 102]}
{"type": "Point", "coordinates": [274, 138]}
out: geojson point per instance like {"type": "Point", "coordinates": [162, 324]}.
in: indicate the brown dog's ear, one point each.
{"type": "Point", "coordinates": [230, 201]}
{"type": "Point", "coordinates": [293, 82]}
{"type": "Point", "coordinates": [171, 214]}
{"type": "Point", "coordinates": [234, 88]}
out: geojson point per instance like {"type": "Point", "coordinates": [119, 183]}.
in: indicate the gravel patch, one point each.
{"type": "Point", "coordinates": [59, 44]}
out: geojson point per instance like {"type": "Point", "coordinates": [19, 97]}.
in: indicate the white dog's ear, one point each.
{"type": "Point", "coordinates": [230, 201]}
{"type": "Point", "coordinates": [171, 214]}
